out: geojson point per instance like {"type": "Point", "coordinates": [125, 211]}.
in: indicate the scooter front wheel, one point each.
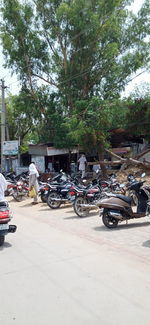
{"type": "Point", "coordinates": [109, 221]}
{"type": "Point", "coordinates": [2, 238]}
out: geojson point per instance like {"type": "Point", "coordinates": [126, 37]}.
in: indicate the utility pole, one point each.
{"type": "Point", "coordinates": [3, 124]}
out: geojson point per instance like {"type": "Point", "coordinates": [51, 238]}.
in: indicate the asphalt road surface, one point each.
{"type": "Point", "coordinates": [59, 269]}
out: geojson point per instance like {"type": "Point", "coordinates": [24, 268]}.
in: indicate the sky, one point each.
{"type": "Point", "coordinates": [13, 85]}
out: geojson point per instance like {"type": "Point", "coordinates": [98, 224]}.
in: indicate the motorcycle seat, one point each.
{"type": "Point", "coordinates": [127, 199]}
{"type": "Point", "coordinates": [3, 204]}
{"type": "Point", "coordinates": [63, 186]}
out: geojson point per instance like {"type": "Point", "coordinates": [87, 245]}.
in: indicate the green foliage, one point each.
{"type": "Point", "coordinates": [85, 52]}
{"type": "Point", "coordinates": [90, 123]}
{"type": "Point", "coordinates": [21, 117]}
{"type": "Point", "coordinates": [138, 116]}
{"type": "Point", "coordinates": [81, 47]}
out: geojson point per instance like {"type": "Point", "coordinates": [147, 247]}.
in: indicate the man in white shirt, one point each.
{"type": "Point", "coordinates": [3, 187]}
{"type": "Point", "coordinates": [82, 163]}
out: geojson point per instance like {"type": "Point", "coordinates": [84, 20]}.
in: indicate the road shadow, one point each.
{"type": "Point", "coordinates": [30, 204]}
{"type": "Point", "coordinates": [77, 217]}
{"type": "Point", "coordinates": [91, 213]}
{"type": "Point", "coordinates": [11, 200]}
{"type": "Point", "coordinates": [5, 245]}
{"type": "Point", "coordinates": [73, 217]}
{"type": "Point", "coordinates": [27, 205]}
{"type": "Point", "coordinates": [69, 211]}
{"type": "Point", "coordinates": [23, 200]}
{"type": "Point", "coordinates": [60, 208]}
{"type": "Point", "coordinates": [65, 206]}
{"type": "Point", "coordinates": [45, 209]}
{"type": "Point", "coordinates": [123, 227]}
{"type": "Point", "coordinates": [146, 244]}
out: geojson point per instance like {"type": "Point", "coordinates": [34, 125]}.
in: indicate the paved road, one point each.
{"type": "Point", "coordinates": [60, 269]}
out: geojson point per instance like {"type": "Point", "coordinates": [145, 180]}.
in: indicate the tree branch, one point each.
{"type": "Point", "coordinates": [129, 161]}
{"type": "Point", "coordinates": [50, 82]}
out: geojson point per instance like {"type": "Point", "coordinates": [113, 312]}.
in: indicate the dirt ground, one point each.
{"type": "Point", "coordinates": [136, 171]}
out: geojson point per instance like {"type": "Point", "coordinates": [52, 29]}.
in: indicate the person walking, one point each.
{"type": "Point", "coordinates": [82, 165]}
{"type": "Point", "coordinates": [33, 180]}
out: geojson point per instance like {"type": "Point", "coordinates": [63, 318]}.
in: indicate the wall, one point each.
{"type": "Point", "coordinates": [40, 163]}
{"type": "Point", "coordinates": [146, 157]}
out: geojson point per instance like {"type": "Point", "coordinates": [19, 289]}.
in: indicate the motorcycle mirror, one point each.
{"type": "Point", "coordinates": [143, 175]}
{"type": "Point", "coordinates": [122, 185]}
{"type": "Point", "coordinates": [130, 177]}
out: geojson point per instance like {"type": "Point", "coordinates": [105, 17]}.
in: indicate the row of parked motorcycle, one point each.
{"type": "Point", "coordinates": [116, 202]}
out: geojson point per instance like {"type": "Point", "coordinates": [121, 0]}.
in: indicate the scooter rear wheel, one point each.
{"type": "Point", "coordinates": [109, 221]}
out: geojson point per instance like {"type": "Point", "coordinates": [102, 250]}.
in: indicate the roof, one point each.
{"type": "Point", "coordinates": [121, 150]}
{"type": "Point", "coordinates": [48, 144]}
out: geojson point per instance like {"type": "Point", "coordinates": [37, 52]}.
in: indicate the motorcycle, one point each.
{"type": "Point", "coordinates": [60, 193]}
{"type": "Point", "coordinates": [118, 208]}
{"type": "Point", "coordinates": [5, 217]}
{"type": "Point", "coordinates": [20, 190]}
{"type": "Point", "coordinates": [86, 198]}
{"type": "Point", "coordinates": [60, 190]}
{"type": "Point", "coordinates": [43, 190]}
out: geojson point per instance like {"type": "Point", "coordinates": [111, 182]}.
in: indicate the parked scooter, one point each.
{"type": "Point", "coordinates": [118, 208]}
{"type": "Point", "coordinates": [5, 217]}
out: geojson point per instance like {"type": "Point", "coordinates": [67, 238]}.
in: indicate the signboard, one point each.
{"type": "Point", "coordinates": [10, 148]}
{"type": "Point", "coordinates": [52, 151]}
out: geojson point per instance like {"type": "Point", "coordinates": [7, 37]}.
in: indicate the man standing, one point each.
{"type": "Point", "coordinates": [33, 182]}
{"type": "Point", "coordinates": [82, 164]}
{"type": "Point", "coordinates": [3, 187]}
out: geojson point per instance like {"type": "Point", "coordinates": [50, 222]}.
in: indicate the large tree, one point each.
{"type": "Point", "coordinates": [82, 47]}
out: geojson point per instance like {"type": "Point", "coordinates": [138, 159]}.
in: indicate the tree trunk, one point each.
{"type": "Point", "coordinates": [102, 165]}
{"type": "Point", "coordinates": [130, 161]}
{"type": "Point", "coordinates": [69, 162]}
